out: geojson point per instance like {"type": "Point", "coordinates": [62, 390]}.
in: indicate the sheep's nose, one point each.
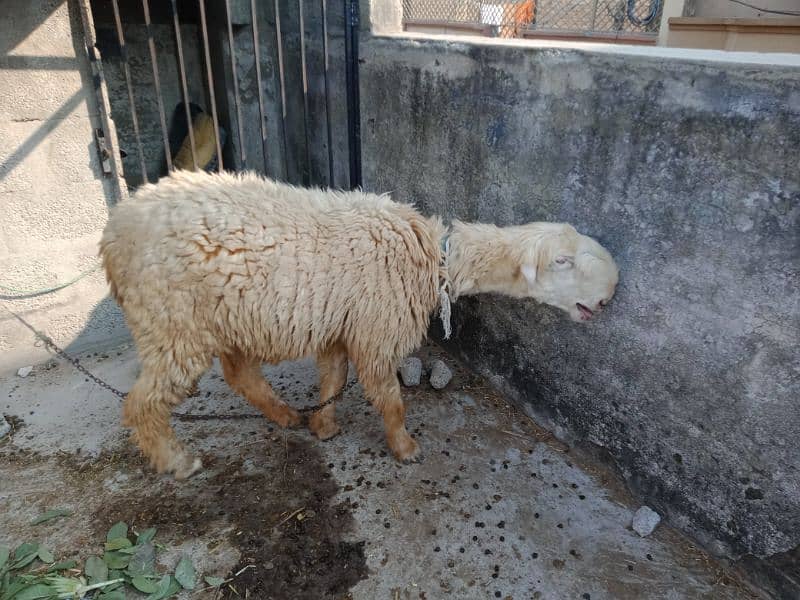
{"type": "Point", "coordinates": [601, 304]}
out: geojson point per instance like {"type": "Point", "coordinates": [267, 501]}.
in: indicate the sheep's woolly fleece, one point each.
{"type": "Point", "coordinates": [213, 264]}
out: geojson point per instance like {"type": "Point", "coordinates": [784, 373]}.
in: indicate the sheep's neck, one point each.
{"type": "Point", "coordinates": [479, 261]}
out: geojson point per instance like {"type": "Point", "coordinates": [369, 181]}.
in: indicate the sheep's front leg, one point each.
{"type": "Point", "coordinates": [332, 365]}
{"type": "Point", "coordinates": [384, 393]}
{"type": "Point", "coordinates": [245, 377]}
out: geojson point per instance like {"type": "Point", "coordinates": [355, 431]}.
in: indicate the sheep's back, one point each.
{"type": "Point", "coordinates": [275, 271]}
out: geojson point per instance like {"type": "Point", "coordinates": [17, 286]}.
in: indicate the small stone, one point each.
{"type": "Point", "coordinates": [5, 427]}
{"type": "Point", "coordinates": [645, 520]}
{"type": "Point", "coordinates": [25, 371]}
{"type": "Point", "coordinates": [440, 375]}
{"type": "Point", "coordinates": [411, 371]}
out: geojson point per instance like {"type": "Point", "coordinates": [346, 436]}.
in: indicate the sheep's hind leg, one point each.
{"type": "Point", "coordinates": [245, 377]}
{"type": "Point", "coordinates": [332, 365]}
{"type": "Point", "coordinates": [147, 411]}
{"type": "Point", "coordinates": [384, 393]}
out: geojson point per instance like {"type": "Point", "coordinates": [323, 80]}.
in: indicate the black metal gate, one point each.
{"type": "Point", "coordinates": [264, 85]}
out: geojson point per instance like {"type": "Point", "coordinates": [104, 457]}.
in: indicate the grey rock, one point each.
{"type": "Point", "coordinates": [440, 375]}
{"type": "Point", "coordinates": [24, 371]}
{"type": "Point", "coordinates": [645, 520]}
{"type": "Point", "coordinates": [411, 371]}
{"type": "Point", "coordinates": [5, 427]}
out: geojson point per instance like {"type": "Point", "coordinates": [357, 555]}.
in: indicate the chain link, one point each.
{"type": "Point", "coordinates": [77, 364]}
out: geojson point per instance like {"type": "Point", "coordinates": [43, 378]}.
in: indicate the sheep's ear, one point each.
{"type": "Point", "coordinates": [529, 272]}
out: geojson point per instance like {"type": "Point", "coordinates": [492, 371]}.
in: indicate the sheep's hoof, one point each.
{"type": "Point", "coordinates": [420, 457]}
{"type": "Point", "coordinates": [324, 429]}
{"type": "Point", "coordinates": [288, 417]}
{"type": "Point", "coordinates": [322, 423]}
{"type": "Point", "coordinates": [189, 467]}
{"type": "Point", "coordinates": [406, 451]}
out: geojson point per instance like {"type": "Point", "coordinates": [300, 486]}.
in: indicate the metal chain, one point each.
{"type": "Point", "coordinates": [77, 364]}
{"type": "Point", "coordinates": [122, 395]}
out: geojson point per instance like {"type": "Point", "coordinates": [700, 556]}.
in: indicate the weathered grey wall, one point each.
{"type": "Point", "coordinates": [688, 171]}
{"type": "Point", "coordinates": [53, 194]}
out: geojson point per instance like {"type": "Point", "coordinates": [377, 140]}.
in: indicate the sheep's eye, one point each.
{"type": "Point", "coordinates": [563, 261]}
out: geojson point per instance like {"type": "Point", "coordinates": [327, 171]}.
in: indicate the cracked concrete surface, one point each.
{"type": "Point", "coordinates": [498, 508]}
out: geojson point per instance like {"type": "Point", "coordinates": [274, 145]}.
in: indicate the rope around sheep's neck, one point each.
{"type": "Point", "coordinates": [444, 287]}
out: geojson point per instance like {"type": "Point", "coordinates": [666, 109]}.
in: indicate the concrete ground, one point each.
{"type": "Point", "coordinates": [498, 508]}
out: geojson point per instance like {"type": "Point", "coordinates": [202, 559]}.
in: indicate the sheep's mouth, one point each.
{"type": "Point", "coordinates": [586, 312]}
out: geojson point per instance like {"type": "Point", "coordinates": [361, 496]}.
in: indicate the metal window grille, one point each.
{"type": "Point", "coordinates": [533, 18]}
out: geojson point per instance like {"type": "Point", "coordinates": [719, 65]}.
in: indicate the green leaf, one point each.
{"type": "Point", "coordinates": [55, 513]}
{"type": "Point", "coordinates": [24, 555]}
{"type": "Point", "coordinates": [119, 530]}
{"type": "Point", "coordinates": [116, 560]}
{"type": "Point", "coordinates": [112, 595]}
{"type": "Point", "coordinates": [167, 586]}
{"type": "Point", "coordinates": [45, 555]}
{"type": "Point", "coordinates": [146, 536]}
{"type": "Point", "coordinates": [64, 565]}
{"type": "Point", "coordinates": [144, 584]}
{"type": "Point", "coordinates": [5, 552]}
{"type": "Point", "coordinates": [185, 573]}
{"type": "Point", "coordinates": [214, 581]}
{"type": "Point", "coordinates": [26, 549]}
{"type": "Point", "coordinates": [162, 587]}
{"type": "Point", "coordinates": [143, 562]}
{"type": "Point", "coordinates": [10, 588]}
{"type": "Point", "coordinates": [35, 592]}
{"type": "Point", "coordinates": [118, 543]}
{"type": "Point", "coordinates": [96, 570]}
{"type": "Point", "coordinates": [174, 587]}
{"type": "Point", "coordinates": [112, 575]}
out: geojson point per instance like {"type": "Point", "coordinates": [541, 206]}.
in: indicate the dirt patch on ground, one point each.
{"type": "Point", "coordinates": [277, 510]}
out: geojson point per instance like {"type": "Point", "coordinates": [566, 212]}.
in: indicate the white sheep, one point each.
{"type": "Point", "coordinates": [254, 271]}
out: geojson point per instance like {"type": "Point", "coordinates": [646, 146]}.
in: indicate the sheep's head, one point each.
{"type": "Point", "coordinates": [569, 270]}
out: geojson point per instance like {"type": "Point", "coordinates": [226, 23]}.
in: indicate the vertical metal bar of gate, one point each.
{"type": "Point", "coordinates": [157, 81]}
{"type": "Point", "coordinates": [331, 183]}
{"type": "Point", "coordinates": [123, 49]}
{"type": "Point", "coordinates": [184, 85]}
{"type": "Point", "coordinates": [232, 49]}
{"type": "Point", "coordinates": [351, 21]}
{"type": "Point", "coordinates": [279, 43]}
{"type": "Point", "coordinates": [212, 97]}
{"type": "Point", "coordinates": [304, 75]}
{"type": "Point", "coordinates": [257, 54]}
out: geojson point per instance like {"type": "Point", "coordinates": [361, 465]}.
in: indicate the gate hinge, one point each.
{"type": "Point", "coordinates": [102, 151]}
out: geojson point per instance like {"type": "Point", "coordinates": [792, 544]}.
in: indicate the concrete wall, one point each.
{"type": "Point", "coordinates": [687, 170]}
{"type": "Point", "coordinates": [53, 191]}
